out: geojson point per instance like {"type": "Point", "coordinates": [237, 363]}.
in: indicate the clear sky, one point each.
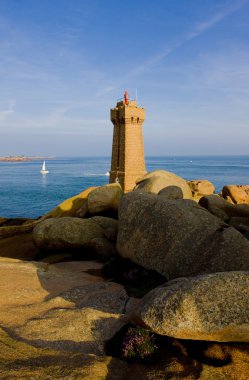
{"type": "Point", "coordinates": [64, 63]}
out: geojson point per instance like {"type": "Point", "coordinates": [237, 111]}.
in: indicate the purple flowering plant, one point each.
{"type": "Point", "coordinates": [138, 343]}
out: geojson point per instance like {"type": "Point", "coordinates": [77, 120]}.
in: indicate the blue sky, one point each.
{"type": "Point", "coordinates": [63, 64]}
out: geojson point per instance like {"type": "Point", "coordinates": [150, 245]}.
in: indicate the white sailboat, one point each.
{"type": "Point", "coordinates": [44, 170]}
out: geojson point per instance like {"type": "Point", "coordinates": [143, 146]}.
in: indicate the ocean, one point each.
{"type": "Point", "coordinates": [25, 192]}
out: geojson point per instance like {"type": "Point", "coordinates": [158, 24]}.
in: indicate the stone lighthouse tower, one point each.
{"type": "Point", "coordinates": [128, 161]}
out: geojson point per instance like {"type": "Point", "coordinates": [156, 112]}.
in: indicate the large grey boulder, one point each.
{"type": "Point", "coordinates": [223, 209]}
{"type": "Point", "coordinates": [104, 198]}
{"type": "Point", "coordinates": [157, 180]}
{"type": "Point", "coordinates": [177, 237]}
{"type": "Point", "coordinates": [101, 247]}
{"type": "Point", "coordinates": [171, 192]}
{"type": "Point", "coordinates": [109, 225]}
{"type": "Point", "coordinates": [67, 232]}
{"type": "Point", "coordinates": [210, 307]}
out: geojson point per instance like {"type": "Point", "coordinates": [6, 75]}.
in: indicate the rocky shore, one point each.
{"type": "Point", "coordinates": [15, 159]}
{"type": "Point", "coordinates": [152, 284]}
{"type": "Point", "coordinates": [21, 158]}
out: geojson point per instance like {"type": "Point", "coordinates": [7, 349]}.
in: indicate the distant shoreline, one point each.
{"type": "Point", "coordinates": [23, 158]}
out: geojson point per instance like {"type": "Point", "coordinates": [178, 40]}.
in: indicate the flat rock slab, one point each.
{"type": "Point", "coordinates": [20, 360]}
{"type": "Point", "coordinates": [60, 306]}
{"type": "Point", "coordinates": [55, 318]}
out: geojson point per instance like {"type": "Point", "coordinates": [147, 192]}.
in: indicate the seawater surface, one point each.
{"type": "Point", "coordinates": [25, 192]}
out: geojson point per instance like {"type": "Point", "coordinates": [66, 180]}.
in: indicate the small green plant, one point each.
{"type": "Point", "coordinates": [138, 343]}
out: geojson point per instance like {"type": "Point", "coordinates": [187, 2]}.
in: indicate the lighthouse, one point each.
{"type": "Point", "coordinates": [128, 161]}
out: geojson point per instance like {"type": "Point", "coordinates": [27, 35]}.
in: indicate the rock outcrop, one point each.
{"type": "Point", "coordinates": [236, 193]}
{"type": "Point", "coordinates": [101, 247]}
{"type": "Point", "coordinates": [109, 225]}
{"type": "Point", "coordinates": [210, 307]}
{"type": "Point", "coordinates": [23, 361]}
{"type": "Point", "coordinates": [177, 237]}
{"type": "Point", "coordinates": [56, 317]}
{"type": "Point", "coordinates": [74, 206]}
{"type": "Point", "coordinates": [241, 224]}
{"type": "Point", "coordinates": [223, 209]}
{"type": "Point", "coordinates": [105, 198]}
{"type": "Point", "coordinates": [157, 180]}
{"type": "Point", "coordinates": [97, 235]}
{"type": "Point", "coordinates": [200, 188]}
{"type": "Point", "coordinates": [20, 246]}
{"type": "Point", "coordinates": [67, 232]}
{"type": "Point", "coordinates": [60, 306]}
{"type": "Point", "coordinates": [11, 230]}
{"type": "Point", "coordinates": [171, 192]}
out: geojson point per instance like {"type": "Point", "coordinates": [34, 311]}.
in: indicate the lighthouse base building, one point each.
{"type": "Point", "coordinates": [128, 162]}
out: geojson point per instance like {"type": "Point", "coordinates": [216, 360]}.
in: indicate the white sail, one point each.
{"type": "Point", "coordinates": [43, 170]}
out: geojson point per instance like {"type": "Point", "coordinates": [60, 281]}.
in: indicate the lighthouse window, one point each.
{"type": "Point", "coordinates": [138, 119]}
{"type": "Point", "coordinates": [132, 119]}
{"type": "Point", "coordinates": [117, 180]}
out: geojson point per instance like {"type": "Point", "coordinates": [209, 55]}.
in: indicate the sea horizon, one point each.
{"type": "Point", "coordinates": [50, 157]}
{"type": "Point", "coordinates": [25, 192]}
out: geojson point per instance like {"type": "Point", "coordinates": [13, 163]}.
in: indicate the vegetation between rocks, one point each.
{"type": "Point", "coordinates": [133, 344]}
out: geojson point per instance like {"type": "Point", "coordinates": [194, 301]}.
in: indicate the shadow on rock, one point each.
{"type": "Point", "coordinates": [60, 306]}
{"type": "Point", "coordinates": [22, 360]}
{"type": "Point", "coordinates": [186, 359]}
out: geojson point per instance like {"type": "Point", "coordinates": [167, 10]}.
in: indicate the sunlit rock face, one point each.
{"type": "Point", "coordinates": [212, 307]}
{"type": "Point", "coordinates": [177, 237]}
{"type": "Point", "coordinates": [60, 306]}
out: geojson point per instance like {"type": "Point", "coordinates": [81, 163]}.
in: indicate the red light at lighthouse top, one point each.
{"type": "Point", "coordinates": [126, 98]}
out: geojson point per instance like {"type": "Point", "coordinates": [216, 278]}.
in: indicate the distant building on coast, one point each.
{"type": "Point", "coordinates": [128, 161]}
